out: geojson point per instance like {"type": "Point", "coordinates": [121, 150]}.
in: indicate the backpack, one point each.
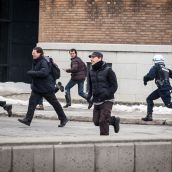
{"type": "Point", "coordinates": [163, 76]}
{"type": "Point", "coordinates": [55, 71]}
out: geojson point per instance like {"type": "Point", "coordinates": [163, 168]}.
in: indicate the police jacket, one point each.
{"type": "Point", "coordinates": [161, 74]}
{"type": "Point", "coordinates": [42, 80]}
{"type": "Point", "coordinates": [102, 82]}
{"type": "Point", "coordinates": [78, 69]}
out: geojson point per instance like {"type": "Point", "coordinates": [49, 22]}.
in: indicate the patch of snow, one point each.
{"type": "Point", "coordinates": [20, 87]}
{"type": "Point", "coordinates": [14, 88]}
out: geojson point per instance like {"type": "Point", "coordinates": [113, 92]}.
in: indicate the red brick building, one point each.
{"type": "Point", "coordinates": [106, 21]}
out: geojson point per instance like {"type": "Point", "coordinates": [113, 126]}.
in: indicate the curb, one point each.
{"type": "Point", "coordinates": [89, 119]}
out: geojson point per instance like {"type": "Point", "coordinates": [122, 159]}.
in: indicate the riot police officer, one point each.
{"type": "Point", "coordinates": [161, 74]}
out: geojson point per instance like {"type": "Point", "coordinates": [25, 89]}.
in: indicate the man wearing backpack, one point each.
{"type": "Point", "coordinates": [161, 74]}
{"type": "Point", "coordinates": [43, 85]}
{"type": "Point", "coordinates": [78, 72]}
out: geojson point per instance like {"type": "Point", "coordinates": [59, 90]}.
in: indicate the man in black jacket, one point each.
{"type": "Point", "coordinates": [161, 74]}
{"type": "Point", "coordinates": [102, 84]}
{"type": "Point", "coordinates": [43, 85]}
{"type": "Point", "coordinates": [78, 72]}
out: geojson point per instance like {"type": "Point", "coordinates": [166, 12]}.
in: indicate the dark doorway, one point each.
{"type": "Point", "coordinates": [18, 35]}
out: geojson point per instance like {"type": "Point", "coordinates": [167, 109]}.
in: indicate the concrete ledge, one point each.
{"type": "Point", "coordinates": [114, 157]}
{"type": "Point", "coordinates": [27, 158]}
{"type": "Point", "coordinates": [106, 47]}
{"type": "Point", "coordinates": [126, 157]}
{"type": "Point", "coordinates": [153, 157]}
{"type": "Point", "coordinates": [5, 159]}
{"type": "Point", "coordinates": [74, 158]}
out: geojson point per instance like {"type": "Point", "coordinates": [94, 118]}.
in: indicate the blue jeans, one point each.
{"type": "Point", "coordinates": [72, 83]}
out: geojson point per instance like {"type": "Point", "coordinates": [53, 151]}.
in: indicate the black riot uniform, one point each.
{"type": "Point", "coordinates": [161, 74]}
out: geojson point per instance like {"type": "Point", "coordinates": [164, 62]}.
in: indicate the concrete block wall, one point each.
{"type": "Point", "coordinates": [150, 157]}
{"type": "Point", "coordinates": [130, 63]}
{"type": "Point", "coordinates": [95, 157]}
{"type": "Point", "coordinates": [74, 158]}
{"type": "Point", "coordinates": [114, 157]}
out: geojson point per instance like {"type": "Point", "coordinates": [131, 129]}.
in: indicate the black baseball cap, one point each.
{"type": "Point", "coordinates": [96, 54]}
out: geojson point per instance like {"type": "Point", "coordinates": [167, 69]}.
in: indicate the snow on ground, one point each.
{"type": "Point", "coordinates": [14, 88]}
{"type": "Point", "coordinates": [19, 88]}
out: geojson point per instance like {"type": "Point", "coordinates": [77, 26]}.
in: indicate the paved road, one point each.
{"type": "Point", "coordinates": [13, 131]}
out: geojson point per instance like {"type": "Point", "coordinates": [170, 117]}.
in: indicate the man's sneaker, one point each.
{"type": "Point", "coordinates": [40, 107]}
{"type": "Point", "coordinates": [24, 121]}
{"type": "Point", "coordinates": [63, 123]}
{"type": "Point", "coordinates": [116, 124]}
{"type": "Point", "coordinates": [8, 108]}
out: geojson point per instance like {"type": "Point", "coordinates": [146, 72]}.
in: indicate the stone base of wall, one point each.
{"type": "Point", "coordinates": [130, 63]}
{"type": "Point", "coordinates": [94, 157]}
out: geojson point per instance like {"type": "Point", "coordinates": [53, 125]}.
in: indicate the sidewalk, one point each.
{"type": "Point", "coordinates": [79, 112]}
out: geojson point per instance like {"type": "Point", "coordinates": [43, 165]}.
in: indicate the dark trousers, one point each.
{"type": "Point", "coordinates": [51, 98]}
{"type": "Point", "coordinates": [72, 83]}
{"type": "Point", "coordinates": [102, 117]}
{"type": "Point", "coordinates": [40, 102]}
{"type": "Point", "coordinates": [165, 96]}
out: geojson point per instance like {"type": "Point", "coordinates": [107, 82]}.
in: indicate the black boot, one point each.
{"type": "Point", "coordinates": [68, 101]}
{"type": "Point", "coordinates": [2, 103]}
{"type": "Point", "coordinates": [148, 118]}
{"type": "Point", "coordinates": [63, 123]}
{"type": "Point", "coordinates": [115, 121]}
{"type": "Point", "coordinates": [58, 87]}
{"type": "Point", "coordinates": [59, 84]}
{"type": "Point", "coordinates": [8, 108]}
{"type": "Point", "coordinates": [25, 121]}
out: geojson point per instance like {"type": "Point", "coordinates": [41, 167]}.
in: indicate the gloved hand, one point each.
{"type": "Point", "coordinates": [144, 80]}
{"type": "Point", "coordinates": [90, 103]}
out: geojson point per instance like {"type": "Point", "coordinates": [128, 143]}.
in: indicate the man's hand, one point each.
{"type": "Point", "coordinates": [64, 69]}
{"type": "Point", "coordinates": [30, 72]}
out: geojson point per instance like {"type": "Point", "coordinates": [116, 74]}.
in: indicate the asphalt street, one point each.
{"type": "Point", "coordinates": [10, 128]}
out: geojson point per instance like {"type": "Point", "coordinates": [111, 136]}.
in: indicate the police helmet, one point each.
{"type": "Point", "coordinates": [158, 58]}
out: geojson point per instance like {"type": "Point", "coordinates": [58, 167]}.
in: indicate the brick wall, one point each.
{"type": "Point", "coordinates": [106, 21]}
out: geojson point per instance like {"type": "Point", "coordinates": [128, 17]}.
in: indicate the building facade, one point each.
{"type": "Point", "coordinates": [127, 32]}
